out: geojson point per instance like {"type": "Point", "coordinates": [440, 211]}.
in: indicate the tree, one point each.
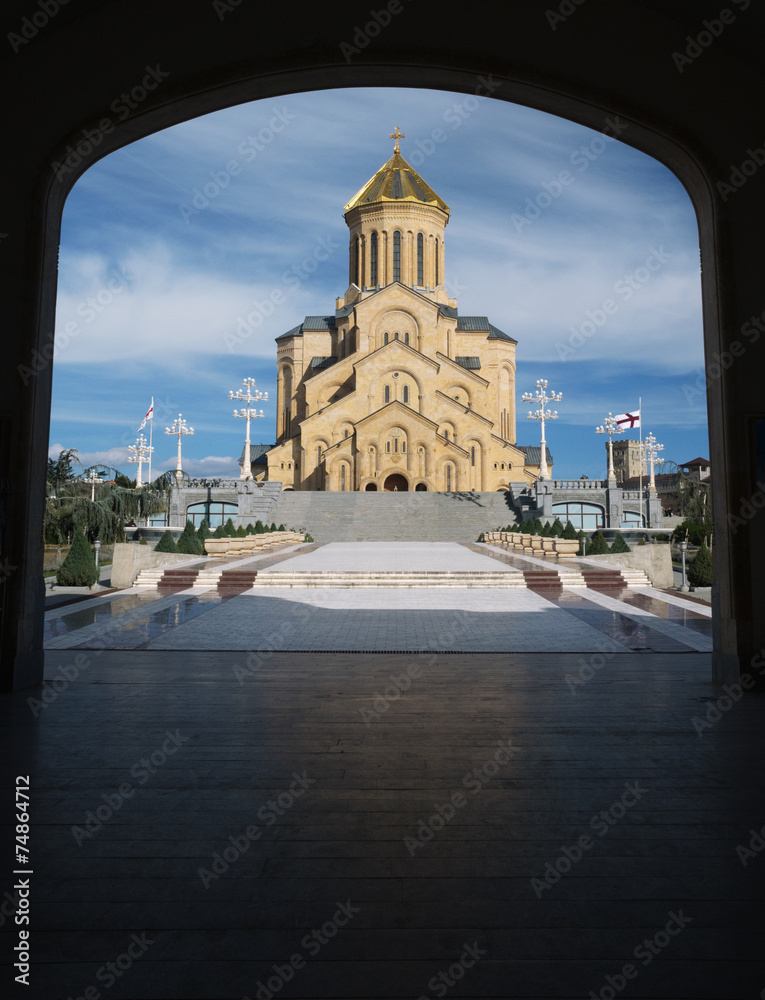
{"type": "Point", "coordinates": [240, 532]}
{"type": "Point", "coordinates": [259, 527]}
{"type": "Point", "coordinates": [545, 531]}
{"type": "Point", "coordinates": [189, 543]}
{"type": "Point", "coordinates": [569, 531]}
{"type": "Point", "coordinates": [557, 528]}
{"type": "Point", "coordinates": [619, 545]}
{"type": "Point", "coordinates": [229, 529]}
{"type": "Point", "coordinates": [166, 543]}
{"type": "Point", "coordinates": [281, 528]}
{"type": "Point", "coordinates": [598, 546]}
{"type": "Point", "coordinates": [695, 531]}
{"type": "Point", "coordinates": [79, 567]}
{"type": "Point", "coordinates": [219, 532]}
{"type": "Point", "coordinates": [204, 531]}
{"type": "Point", "coordinates": [250, 529]}
{"type": "Point", "coordinates": [700, 569]}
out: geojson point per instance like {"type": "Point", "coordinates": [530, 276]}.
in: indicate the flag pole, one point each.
{"type": "Point", "coordinates": [151, 432]}
{"type": "Point", "coordinates": [640, 456]}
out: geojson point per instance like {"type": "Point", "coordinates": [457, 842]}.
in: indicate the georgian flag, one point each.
{"type": "Point", "coordinates": [627, 421]}
{"type": "Point", "coordinates": [149, 415]}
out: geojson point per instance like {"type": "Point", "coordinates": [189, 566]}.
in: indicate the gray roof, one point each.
{"type": "Point", "coordinates": [257, 454]}
{"type": "Point", "coordinates": [449, 311]}
{"type": "Point", "coordinates": [495, 334]}
{"type": "Point", "coordinates": [319, 363]}
{"type": "Point", "coordinates": [469, 361]}
{"type": "Point", "coordinates": [319, 323]}
{"type": "Point", "coordinates": [533, 453]}
{"type": "Point", "coordinates": [481, 323]}
{"type": "Point", "coordinates": [296, 331]}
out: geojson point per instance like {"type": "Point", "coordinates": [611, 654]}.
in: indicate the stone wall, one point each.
{"type": "Point", "coordinates": [130, 558]}
{"type": "Point", "coordinates": [654, 560]}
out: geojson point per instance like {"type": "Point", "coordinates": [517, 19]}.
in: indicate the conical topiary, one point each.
{"type": "Point", "coordinates": [240, 532]}
{"type": "Point", "coordinates": [250, 529]}
{"type": "Point", "coordinates": [228, 529]}
{"type": "Point", "coordinates": [700, 571]}
{"type": "Point", "coordinates": [598, 546]}
{"type": "Point", "coordinates": [569, 531]}
{"type": "Point", "coordinates": [272, 526]}
{"type": "Point", "coordinates": [79, 567]}
{"type": "Point", "coordinates": [545, 531]}
{"type": "Point", "coordinates": [166, 543]}
{"type": "Point", "coordinates": [219, 532]}
{"type": "Point", "coordinates": [557, 528]}
{"type": "Point", "coordinates": [259, 527]}
{"type": "Point", "coordinates": [203, 531]}
{"type": "Point", "coordinates": [619, 545]}
{"type": "Point", "coordinates": [189, 543]}
{"type": "Point", "coordinates": [281, 528]}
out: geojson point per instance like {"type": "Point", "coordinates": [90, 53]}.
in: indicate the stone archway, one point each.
{"type": "Point", "coordinates": [421, 488]}
{"type": "Point", "coordinates": [370, 488]}
{"type": "Point", "coordinates": [395, 482]}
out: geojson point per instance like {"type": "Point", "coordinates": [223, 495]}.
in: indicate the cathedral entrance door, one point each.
{"type": "Point", "coordinates": [396, 482]}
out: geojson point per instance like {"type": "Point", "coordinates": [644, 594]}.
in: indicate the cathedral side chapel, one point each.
{"type": "Point", "coordinates": [396, 390]}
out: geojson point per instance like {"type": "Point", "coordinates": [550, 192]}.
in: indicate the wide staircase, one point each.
{"type": "Point", "coordinates": [405, 517]}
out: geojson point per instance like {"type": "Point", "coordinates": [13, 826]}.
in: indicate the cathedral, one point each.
{"type": "Point", "coordinates": [395, 390]}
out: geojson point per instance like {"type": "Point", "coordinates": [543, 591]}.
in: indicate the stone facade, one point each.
{"type": "Point", "coordinates": [395, 390]}
{"type": "Point", "coordinates": [627, 460]}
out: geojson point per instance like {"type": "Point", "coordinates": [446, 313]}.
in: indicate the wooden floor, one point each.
{"type": "Point", "coordinates": [526, 767]}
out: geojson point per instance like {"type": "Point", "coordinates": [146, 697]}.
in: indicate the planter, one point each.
{"type": "Point", "coordinates": [566, 546]}
{"type": "Point", "coordinates": [217, 546]}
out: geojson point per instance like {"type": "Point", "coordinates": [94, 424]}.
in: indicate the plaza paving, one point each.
{"type": "Point", "coordinates": [402, 619]}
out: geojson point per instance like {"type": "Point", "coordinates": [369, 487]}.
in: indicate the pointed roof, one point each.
{"type": "Point", "coordinates": [396, 180]}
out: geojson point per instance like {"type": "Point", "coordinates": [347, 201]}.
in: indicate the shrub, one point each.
{"type": "Point", "coordinates": [79, 567]}
{"type": "Point", "coordinates": [545, 531]}
{"type": "Point", "coordinates": [229, 530]}
{"type": "Point", "coordinates": [619, 545]}
{"type": "Point", "coordinates": [189, 543]}
{"type": "Point", "coordinates": [598, 546]}
{"type": "Point", "coordinates": [272, 526]}
{"type": "Point", "coordinates": [219, 532]}
{"type": "Point", "coordinates": [582, 539]}
{"type": "Point", "coordinates": [166, 543]}
{"type": "Point", "coordinates": [569, 531]}
{"type": "Point", "coordinates": [259, 527]}
{"type": "Point", "coordinates": [250, 529]}
{"type": "Point", "coordinates": [240, 532]}
{"type": "Point", "coordinates": [481, 538]}
{"type": "Point", "coordinates": [308, 538]}
{"type": "Point", "coordinates": [700, 572]}
{"type": "Point", "coordinates": [203, 531]}
{"type": "Point", "coordinates": [557, 528]}
{"type": "Point", "coordinates": [697, 531]}
{"type": "Point", "coordinates": [281, 528]}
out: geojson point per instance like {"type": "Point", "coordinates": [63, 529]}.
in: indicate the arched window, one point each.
{"type": "Point", "coordinates": [406, 338]}
{"type": "Point", "coordinates": [448, 478]}
{"type": "Point", "coordinates": [395, 444]}
{"type": "Point", "coordinates": [387, 394]}
{"type": "Point", "coordinates": [318, 455]}
{"type": "Point", "coordinates": [395, 335]}
{"type": "Point", "coordinates": [342, 478]}
{"type": "Point", "coordinates": [403, 446]}
{"type": "Point", "coordinates": [357, 264]}
{"type": "Point", "coordinates": [419, 259]}
{"type": "Point", "coordinates": [387, 446]}
{"type": "Point", "coordinates": [347, 432]}
{"type": "Point", "coordinates": [215, 513]}
{"type": "Point", "coordinates": [406, 393]}
{"type": "Point", "coordinates": [472, 454]}
{"type": "Point", "coordinates": [437, 276]}
{"type": "Point", "coordinates": [373, 259]}
{"type": "Point", "coordinates": [583, 516]}
{"type": "Point", "coordinates": [385, 339]}
{"type": "Point", "coordinates": [446, 433]}
{"type": "Point", "coordinates": [397, 256]}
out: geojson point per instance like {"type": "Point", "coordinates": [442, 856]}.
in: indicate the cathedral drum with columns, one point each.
{"type": "Point", "coordinates": [395, 390]}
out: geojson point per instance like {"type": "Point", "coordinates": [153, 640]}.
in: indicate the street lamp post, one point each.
{"type": "Point", "coordinates": [92, 479]}
{"type": "Point", "coordinates": [180, 428]}
{"type": "Point", "coordinates": [542, 399]}
{"type": "Point", "coordinates": [248, 412]}
{"type": "Point", "coordinates": [649, 450]}
{"type": "Point", "coordinates": [610, 427]}
{"type": "Point", "coordinates": [141, 452]}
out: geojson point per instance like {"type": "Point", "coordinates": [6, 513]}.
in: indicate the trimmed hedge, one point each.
{"type": "Point", "coordinates": [189, 543]}
{"type": "Point", "coordinates": [598, 546]}
{"type": "Point", "coordinates": [700, 570]}
{"type": "Point", "coordinates": [619, 545]}
{"type": "Point", "coordinates": [79, 567]}
{"type": "Point", "coordinates": [166, 543]}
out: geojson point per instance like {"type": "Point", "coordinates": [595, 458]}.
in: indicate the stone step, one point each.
{"type": "Point", "coordinates": [275, 578]}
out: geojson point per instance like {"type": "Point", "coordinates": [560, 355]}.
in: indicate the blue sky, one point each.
{"type": "Point", "coordinates": [582, 248]}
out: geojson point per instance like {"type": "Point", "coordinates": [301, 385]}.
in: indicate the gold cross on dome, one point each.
{"type": "Point", "coordinates": [397, 135]}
